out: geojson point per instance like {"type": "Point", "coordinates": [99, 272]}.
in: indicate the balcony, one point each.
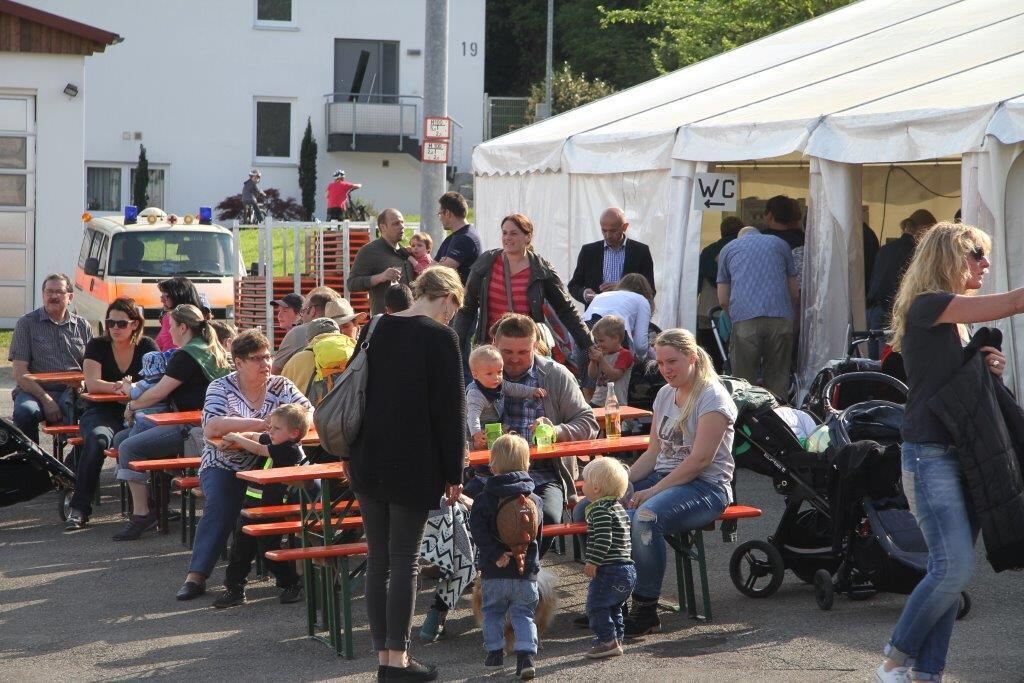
{"type": "Point", "coordinates": [373, 123]}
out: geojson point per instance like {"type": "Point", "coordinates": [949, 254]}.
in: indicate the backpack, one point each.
{"type": "Point", "coordinates": [339, 417]}
{"type": "Point", "coordinates": [518, 523]}
{"type": "Point", "coordinates": [330, 358]}
{"type": "Point", "coordinates": [560, 342]}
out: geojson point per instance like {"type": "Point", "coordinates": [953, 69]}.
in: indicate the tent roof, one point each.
{"type": "Point", "coordinates": [878, 80]}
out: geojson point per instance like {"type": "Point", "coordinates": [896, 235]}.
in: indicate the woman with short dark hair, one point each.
{"type": "Point", "coordinates": [109, 360]}
{"type": "Point", "coordinates": [173, 293]}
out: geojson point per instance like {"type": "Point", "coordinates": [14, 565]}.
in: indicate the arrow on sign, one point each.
{"type": "Point", "coordinates": [708, 203]}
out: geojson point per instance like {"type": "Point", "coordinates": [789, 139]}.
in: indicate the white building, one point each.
{"type": "Point", "coordinates": [213, 89]}
{"type": "Point", "coordinates": [42, 60]}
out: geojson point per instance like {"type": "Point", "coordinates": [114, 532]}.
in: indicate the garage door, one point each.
{"type": "Point", "coordinates": [17, 206]}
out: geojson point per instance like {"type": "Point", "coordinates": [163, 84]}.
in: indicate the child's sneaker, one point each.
{"type": "Point", "coordinates": [602, 650]}
{"type": "Point", "coordinates": [900, 674]}
{"type": "Point", "coordinates": [495, 658]}
{"type": "Point", "coordinates": [525, 670]}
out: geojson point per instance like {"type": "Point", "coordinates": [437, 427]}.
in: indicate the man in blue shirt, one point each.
{"type": "Point", "coordinates": [459, 249]}
{"type": "Point", "coordinates": [758, 287]}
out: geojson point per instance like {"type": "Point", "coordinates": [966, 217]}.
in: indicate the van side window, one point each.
{"type": "Point", "coordinates": [87, 239]}
{"type": "Point", "coordinates": [96, 249]}
{"type": "Point", "coordinates": [103, 254]}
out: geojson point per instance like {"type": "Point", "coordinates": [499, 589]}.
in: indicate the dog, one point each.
{"type": "Point", "coordinates": [547, 587]}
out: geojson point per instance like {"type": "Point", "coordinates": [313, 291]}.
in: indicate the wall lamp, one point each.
{"type": "Point", "coordinates": [71, 90]}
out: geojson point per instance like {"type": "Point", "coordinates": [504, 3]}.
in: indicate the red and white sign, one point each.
{"type": "Point", "coordinates": [434, 151]}
{"type": "Point", "coordinates": [437, 128]}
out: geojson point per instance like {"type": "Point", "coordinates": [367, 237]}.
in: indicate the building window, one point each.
{"type": "Point", "coordinates": [103, 189]}
{"type": "Point", "coordinates": [275, 14]}
{"type": "Point", "coordinates": [273, 130]}
{"type": "Point", "coordinates": [155, 189]}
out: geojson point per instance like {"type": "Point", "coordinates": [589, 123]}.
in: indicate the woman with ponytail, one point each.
{"type": "Point", "coordinates": [682, 481]}
{"type": "Point", "coordinates": [199, 360]}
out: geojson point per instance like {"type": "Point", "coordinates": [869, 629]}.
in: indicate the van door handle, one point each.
{"type": "Point", "coordinates": [92, 283]}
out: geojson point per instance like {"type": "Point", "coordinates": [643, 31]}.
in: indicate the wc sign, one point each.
{"type": "Point", "coordinates": [715, 192]}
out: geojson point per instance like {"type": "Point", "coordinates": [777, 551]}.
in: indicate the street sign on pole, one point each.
{"type": "Point", "coordinates": [434, 151]}
{"type": "Point", "coordinates": [715, 191]}
{"type": "Point", "coordinates": [437, 128]}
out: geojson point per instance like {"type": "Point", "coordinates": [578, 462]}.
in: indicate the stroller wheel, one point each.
{"type": "Point", "coordinates": [824, 591]}
{"type": "Point", "coordinates": [64, 503]}
{"type": "Point", "coordinates": [965, 605]}
{"type": "Point", "coordinates": [757, 569]}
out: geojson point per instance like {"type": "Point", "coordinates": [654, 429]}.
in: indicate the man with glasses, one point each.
{"type": "Point", "coordinates": [48, 339]}
{"type": "Point", "coordinates": [461, 247]}
{"type": "Point", "coordinates": [295, 340]}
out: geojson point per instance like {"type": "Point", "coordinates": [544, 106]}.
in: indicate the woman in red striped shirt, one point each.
{"type": "Point", "coordinates": [514, 279]}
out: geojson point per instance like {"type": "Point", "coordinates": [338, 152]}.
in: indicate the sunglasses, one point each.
{"type": "Point", "coordinates": [118, 324]}
{"type": "Point", "coordinates": [978, 253]}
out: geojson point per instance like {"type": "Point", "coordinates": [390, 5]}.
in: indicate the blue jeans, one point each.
{"type": "Point", "coordinates": [606, 600]}
{"type": "Point", "coordinates": [933, 483]}
{"type": "Point", "coordinates": [686, 507]}
{"type": "Point", "coordinates": [517, 597]}
{"type": "Point", "coordinates": [224, 494]}
{"type": "Point", "coordinates": [153, 443]}
{"type": "Point", "coordinates": [98, 425]}
{"type": "Point", "coordinates": [28, 413]}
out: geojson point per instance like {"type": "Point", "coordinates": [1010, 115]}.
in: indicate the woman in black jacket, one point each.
{"type": "Point", "coordinates": [409, 452]}
{"type": "Point", "coordinates": [514, 279]}
{"type": "Point", "coordinates": [930, 315]}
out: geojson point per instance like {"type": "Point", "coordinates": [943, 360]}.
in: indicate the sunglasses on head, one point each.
{"type": "Point", "coordinates": [119, 324]}
{"type": "Point", "coordinates": [978, 253]}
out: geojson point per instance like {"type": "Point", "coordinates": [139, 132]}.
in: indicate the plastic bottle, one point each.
{"type": "Point", "coordinates": [612, 418]}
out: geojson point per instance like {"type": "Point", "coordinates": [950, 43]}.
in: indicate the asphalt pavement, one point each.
{"type": "Point", "coordinates": [80, 607]}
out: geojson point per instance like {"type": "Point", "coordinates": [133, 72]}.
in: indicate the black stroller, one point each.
{"type": "Point", "coordinates": [26, 470]}
{"type": "Point", "coordinates": [846, 527]}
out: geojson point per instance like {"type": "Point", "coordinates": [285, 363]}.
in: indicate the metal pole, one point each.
{"type": "Point", "coordinates": [297, 280]}
{"type": "Point", "coordinates": [433, 181]}
{"type": "Point", "coordinates": [548, 66]}
{"type": "Point", "coordinates": [268, 282]}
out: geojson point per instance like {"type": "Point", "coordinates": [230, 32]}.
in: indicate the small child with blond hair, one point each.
{"type": "Point", "coordinates": [609, 561]}
{"type": "Point", "coordinates": [609, 362]}
{"type": "Point", "coordinates": [485, 395]}
{"type": "Point", "coordinates": [508, 584]}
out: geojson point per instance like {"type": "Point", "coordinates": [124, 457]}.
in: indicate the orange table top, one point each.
{"type": "Point", "coordinates": [625, 412]}
{"type": "Point", "coordinates": [165, 464]}
{"type": "Point", "coordinates": [311, 439]}
{"type": "Point", "coordinates": [189, 417]}
{"type": "Point", "coordinates": [105, 398]}
{"type": "Point", "coordinates": [574, 448]}
{"type": "Point", "coordinates": [287, 475]}
{"type": "Point", "coordinates": [71, 377]}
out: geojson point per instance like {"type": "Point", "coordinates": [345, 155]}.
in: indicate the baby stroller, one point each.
{"type": "Point", "coordinates": [26, 470]}
{"type": "Point", "coordinates": [846, 527]}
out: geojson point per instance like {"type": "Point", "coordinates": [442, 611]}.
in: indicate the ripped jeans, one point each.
{"type": "Point", "coordinates": [688, 506]}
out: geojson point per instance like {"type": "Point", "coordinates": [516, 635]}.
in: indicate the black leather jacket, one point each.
{"type": "Point", "coordinates": [988, 429]}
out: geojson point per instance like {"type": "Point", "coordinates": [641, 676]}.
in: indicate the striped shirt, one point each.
{"type": "Point", "coordinates": [48, 346]}
{"type": "Point", "coordinates": [224, 398]}
{"type": "Point", "coordinates": [614, 262]}
{"type": "Point", "coordinates": [497, 297]}
{"type": "Point", "coordinates": [607, 533]}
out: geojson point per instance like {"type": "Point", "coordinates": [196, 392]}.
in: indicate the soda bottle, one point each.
{"type": "Point", "coordinates": [612, 420]}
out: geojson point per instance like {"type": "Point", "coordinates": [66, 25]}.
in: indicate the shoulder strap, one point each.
{"type": "Point", "coordinates": [369, 332]}
{"type": "Point", "coordinates": [508, 282]}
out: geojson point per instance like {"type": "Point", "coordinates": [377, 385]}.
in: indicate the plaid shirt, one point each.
{"type": "Point", "coordinates": [614, 262]}
{"type": "Point", "coordinates": [520, 414]}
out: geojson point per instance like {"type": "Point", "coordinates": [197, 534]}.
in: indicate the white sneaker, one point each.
{"type": "Point", "coordinates": [900, 674]}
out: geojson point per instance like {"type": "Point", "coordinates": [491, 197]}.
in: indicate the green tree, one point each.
{"type": "Point", "coordinates": [140, 188]}
{"type": "Point", "coordinates": [568, 91]}
{"type": "Point", "coordinates": [688, 31]}
{"type": "Point", "coordinates": [307, 171]}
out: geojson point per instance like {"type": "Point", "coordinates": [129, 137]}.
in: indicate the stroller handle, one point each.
{"type": "Point", "coordinates": [864, 376]}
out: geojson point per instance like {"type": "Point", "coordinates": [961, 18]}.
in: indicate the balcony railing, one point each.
{"type": "Point", "coordinates": [357, 115]}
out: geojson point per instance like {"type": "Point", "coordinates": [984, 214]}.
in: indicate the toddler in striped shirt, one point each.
{"type": "Point", "coordinates": [609, 561]}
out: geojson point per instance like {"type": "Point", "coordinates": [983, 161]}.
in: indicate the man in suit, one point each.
{"type": "Point", "coordinates": [602, 264]}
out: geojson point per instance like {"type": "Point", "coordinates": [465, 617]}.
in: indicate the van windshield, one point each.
{"type": "Point", "coordinates": [166, 253]}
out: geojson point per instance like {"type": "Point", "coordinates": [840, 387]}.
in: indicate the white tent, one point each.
{"type": "Point", "coordinates": [879, 81]}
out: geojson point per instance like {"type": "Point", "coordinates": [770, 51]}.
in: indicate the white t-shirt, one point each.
{"type": "Point", "coordinates": [633, 308]}
{"type": "Point", "coordinates": [677, 444]}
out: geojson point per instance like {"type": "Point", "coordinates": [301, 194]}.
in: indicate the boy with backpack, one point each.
{"type": "Point", "coordinates": [506, 523]}
{"type": "Point", "coordinates": [315, 368]}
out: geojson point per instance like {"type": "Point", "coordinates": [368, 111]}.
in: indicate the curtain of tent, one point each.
{"type": "Point", "coordinates": [992, 180]}
{"type": "Point", "coordinates": [677, 290]}
{"type": "Point", "coordinates": [831, 265]}
{"type": "Point", "coordinates": [644, 197]}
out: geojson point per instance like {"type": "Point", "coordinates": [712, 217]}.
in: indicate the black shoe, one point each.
{"type": "Point", "coordinates": [136, 526]}
{"type": "Point", "coordinates": [495, 658]}
{"type": "Point", "coordinates": [291, 594]}
{"type": "Point", "coordinates": [414, 672]}
{"type": "Point", "coordinates": [76, 520]}
{"type": "Point", "coordinates": [232, 597]}
{"type": "Point", "coordinates": [582, 621]}
{"type": "Point", "coordinates": [525, 670]}
{"type": "Point", "coordinates": [643, 619]}
{"type": "Point", "coordinates": [190, 589]}
{"type": "Point", "coordinates": [380, 672]}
